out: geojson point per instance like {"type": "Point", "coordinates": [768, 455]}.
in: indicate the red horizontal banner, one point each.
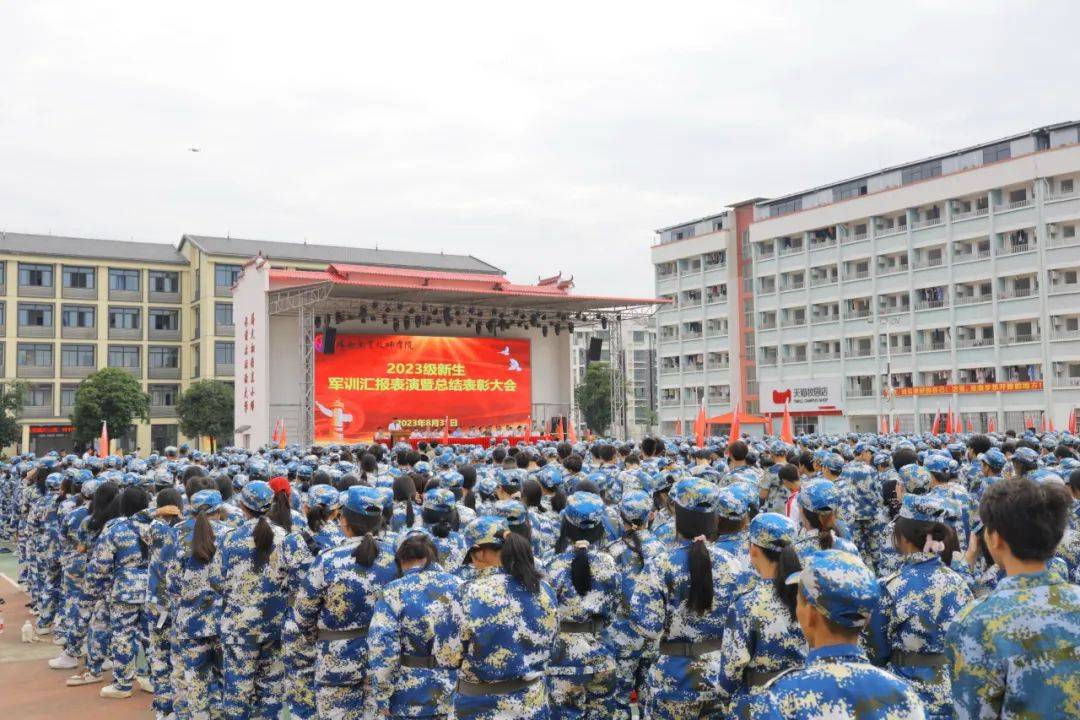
{"type": "Point", "coordinates": [421, 382]}
{"type": "Point", "coordinates": [966, 388]}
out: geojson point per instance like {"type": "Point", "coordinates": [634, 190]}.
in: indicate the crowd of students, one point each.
{"type": "Point", "coordinates": [866, 576]}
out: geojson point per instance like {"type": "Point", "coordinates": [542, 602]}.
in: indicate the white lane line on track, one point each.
{"type": "Point", "coordinates": [14, 584]}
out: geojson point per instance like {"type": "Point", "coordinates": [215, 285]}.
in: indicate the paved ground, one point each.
{"type": "Point", "coordinates": [29, 689]}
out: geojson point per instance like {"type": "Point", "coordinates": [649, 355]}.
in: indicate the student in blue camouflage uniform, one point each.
{"type": "Point", "coordinates": [761, 636]}
{"type": "Point", "coordinates": [501, 633]}
{"type": "Point", "coordinates": [635, 547]}
{"type": "Point", "coordinates": [918, 603]}
{"type": "Point", "coordinates": [1013, 654]}
{"type": "Point", "coordinates": [439, 516]}
{"type": "Point", "coordinates": [819, 501]}
{"type": "Point", "coordinates": [73, 559]}
{"type": "Point", "coordinates": [117, 574]}
{"type": "Point", "coordinates": [682, 600]}
{"type": "Point", "coordinates": [587, 583]}
{"type": "Point", "coordinates": [334, 606]}
{"type": "Point", "coordinates": [406, 681]}
{"type": "Point", "coordinates": [864, 510]}
{"type": "Point", "coordinates": [836, 595]}
{"type": "Point", "coordinates": [299, 550]}
{"type": "Point", "coordinates": [942, 469]}
{"type": "Point", "coordinates": [732, 511]}
{"type": "Point", "coordinates": [194, 588]}
{"type": "Point", "coordinates": [518, 520]}
{"type": "Point", "coordinates": [253, 577]}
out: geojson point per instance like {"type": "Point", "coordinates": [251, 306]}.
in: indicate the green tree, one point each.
{"type": "Point", "coordinates": [12, 397]}
{"type": "Point", "coordinates": [593, 396]}
{"type": "Point", "coordinates": [110, 395]}
{"type": "Point", "coordinates": [206, 408]}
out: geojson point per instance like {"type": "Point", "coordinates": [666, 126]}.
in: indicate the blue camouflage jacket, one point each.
{"type": "Point", "coordinates": [118, 569]}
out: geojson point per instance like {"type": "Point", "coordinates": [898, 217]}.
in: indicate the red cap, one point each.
{"type": "Point", "coordinates": [280, 484]}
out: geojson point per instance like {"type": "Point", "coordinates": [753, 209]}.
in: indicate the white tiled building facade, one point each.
{"type": "Point", "coordinates": [958, 277]}
{"type": "Point", "coordinates": [639, 350]}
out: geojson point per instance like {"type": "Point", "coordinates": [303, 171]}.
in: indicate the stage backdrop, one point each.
{"type": "Point", "coordinates": [371, 379]}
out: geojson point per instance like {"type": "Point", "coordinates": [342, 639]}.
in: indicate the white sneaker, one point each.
{"type": "Point", "coordinates": [111, 691]}
{"type": "Point", "coordinates": [144, 684]}
{"type": "Point", "coordinates": [57, 640]}
{"type": "Point", "coordinates": [107, 665]}
{"type": "Point", "coordinates": [85, 678]}
{"type": "Point", "coordinates": [63, 661]}
{"type": "Point", "coordinates": [46, 630]}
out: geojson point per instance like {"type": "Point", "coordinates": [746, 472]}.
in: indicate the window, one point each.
{"type": "Point", "coordinates": [78, 316]}
{"type": "Point", "coordinates": [223, 314]}
{"type": "Point", "coordinates": [35, 355]}
{"type": "Point", "coordinates": [124, 356]}
{"type": "Point", "coordinates": [921, 172]}
{"type": "Point", "coordinates": [1017, 196]}
{"type": "Point", "coordinates": [31, 275]}
{"type": "Point", "coordinates": [783, 208]}
{"type": "Point", "coordinates": [32, 315]}
{"type": "Point", "coordinates": [1069, 231]}
{"type": "Point", "coordinates": [124, 318]}
{"type": "Point", "coordinates": [1001, 151]}
{"type": "Point", "coordinates": [195, 324]}
{"type": "Point", "coordinates": [1069, 277]}
{"type": "Point", "coordinates": [849, 190]}
{"type": "Point", "coordinates": [164, 357]}
{"type": "Point", "coordinates": [225, 275]}
{"type": "Point", "coordinates": [1067, 186]}
{"type": "Point", "coordinates": [163, 395]}
{"type": "Point", "coordinates": [164, 281]}
{"type": "Point", "coordinates": [639, 336]}
{"type": "Point", "coordinates": [164, 319]}
{"type": "Point", "coordinates": [77, 356]}
{"type": "Point", "coordinates": [79, 277]}
{"type": "Point", "coordinates": [196, 365]}
{"type": "Point", "coordinates": [39, 396]}
{"type": "Point", "coordinates": [67, 395]}
{"type": "Point", "coordinates": [124, 280]}
{"type": "Point", "coordinates": [223, 353]}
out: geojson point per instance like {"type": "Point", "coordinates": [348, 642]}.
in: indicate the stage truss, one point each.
{"type": "Point", "coordinates": [311, 301]}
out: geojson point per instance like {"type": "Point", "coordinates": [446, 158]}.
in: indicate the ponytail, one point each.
{"type": "Point", "coordinates": [699, 528]}
{"type": "Point", "coordinates": [633, 540]}
{"type": "Point", "coordinates": [202, 539]}
{"type": "Point", "coordinates": [366, 551]}
{"type": "Point", "coordinates": [580, 569]}
{"type": "Point", "coordinates": [440, 523]}
{"type": "Point", "coordinates": [558, 501]}
{"type": "Point", "coordinates": [824, 522]}
{"type": "Point", "coordinates": [787, 563]}
{"type": "Point", "coordinates": [919, 532]}
{"type": "Point", "coordinates": [263, 537]}
{"type": "Point", "coordinates": [281, 511]}
{"type": "Point", "coordinates": [365, 527]}
{"type": "Point", "coordinates": [517, 560]}
{"type": "Point", "coordinates": [410, 514]}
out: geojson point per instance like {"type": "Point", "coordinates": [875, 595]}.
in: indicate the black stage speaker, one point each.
{"type": "Point", "coordinates": [329, 339]}
{"type": "Point", "coordinates": [595, 346]}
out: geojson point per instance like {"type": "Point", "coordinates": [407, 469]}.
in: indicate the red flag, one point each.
{"type": "Point", "coordinates": [1072, 421]}
{"type": "Point", "coordinates": [570, 426]}
{"type": "Point", "coordinates": [896, 425]}
{"type": "Point", "coordinates": [935, 429]}
{"type": "Point", "coordinates": [991, 424]}
{"type": "Point", "coordinates": [281, 437]}
{"type": "Point", "coordinates": [734, 425]}
{"type": "Point", "coordinates": [1050, 421]}
{"type": "Point", "coordinates": [446, 430]}
{"type": "Point", "coordinates": [103, 448]}
{"type": "Point", "coordinates": [785, 426]}
{"type": "Point", "coordinates": [768, 424]}
{"type": "Point", "coordinates": [277, 430]}
{"type": "Point", "coordinates": [528, 430]}
{"type": "Point", "coordinates": [562, 433]}
{"type": "Point", "coordinates": [699, 425]}
{"type": "Point", "coordinates": [883, 426]}
{"type": "Point", "coordinates": [678, 426]}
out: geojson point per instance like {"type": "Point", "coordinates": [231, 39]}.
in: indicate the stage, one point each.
{"type": "Point", "coordinates": [335, 356]}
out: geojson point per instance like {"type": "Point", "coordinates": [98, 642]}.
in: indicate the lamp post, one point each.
{"type": "Point", "coordinates": [887, 391]}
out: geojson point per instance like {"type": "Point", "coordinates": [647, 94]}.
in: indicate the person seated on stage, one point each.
{"type": "Point", "coordinates": [395, 425]}
{"type": "Point", "coordinates": [381, 434]}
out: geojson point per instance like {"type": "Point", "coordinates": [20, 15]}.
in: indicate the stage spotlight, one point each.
{"type": "Point", "coordinates": [395, 324]}
{"type": "Point", "coordinates": [557, 328]}
{"type": "Point", "coordinates": [603, 321]}
{"type": "Point", "coordinates": [384, 318]}
{"type": "Point", "coordinates": [405, 322]}
{"type": "Point", "coordinates": [580, 315]}
{"type": "Point", "coordinates": [446, 316]}
{"type": "Point", "coordinates": [544, 330]}
{"type": "Point", "coordinates": [318, 321]}
{"type": "Point", "coordinates": [570, 327]}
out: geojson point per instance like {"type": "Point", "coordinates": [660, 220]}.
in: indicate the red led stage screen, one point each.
{"type": "Point", "coordinates": [371, 380]}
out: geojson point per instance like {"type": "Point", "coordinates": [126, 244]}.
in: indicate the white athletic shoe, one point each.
{"type": "Point", "coordinates": [43, 630]}
{"type": "Point", "coordinates": [57, 640]}
{"type": "Point", "coordinates": [107, 665]}
{"type": "Point", "coordinates": [144, 684]}
{"type": "Point", "coordinates": [111, 691]}
{"type": "Point", "coordinates": [85, 678]}
{"type": "Point", "coordinates": [63, 661]}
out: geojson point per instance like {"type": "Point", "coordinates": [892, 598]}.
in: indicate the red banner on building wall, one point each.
{"type": "Point", "coordinates": [421, 382]}
{"type": "Point", "coordinates": [965, 388]}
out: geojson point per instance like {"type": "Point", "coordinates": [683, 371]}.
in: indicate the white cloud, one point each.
{"type": "Point", "coordinates": [540, 138]}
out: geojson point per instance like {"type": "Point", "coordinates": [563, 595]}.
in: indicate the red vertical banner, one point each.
{"type": "Point", "coordinates": [786, 433]}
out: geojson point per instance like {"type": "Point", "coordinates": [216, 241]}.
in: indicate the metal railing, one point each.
{"type": "Point", "coordinates": [931, 304]}
{"type": "Point", "coordinates": [1014, 205]}
{"type": "Point", "coordinates": [971, 299]}
{"type": "Point", "coordinates": [977, 212]}
{"type": "Point", "coordinates": [974, 342]}
{"type": "Point", "coordinates": [828, 280]}
{"type": "Point", "coordinates": [928, 222]}
{"type": "Point", "coordinates": [1016, 293]}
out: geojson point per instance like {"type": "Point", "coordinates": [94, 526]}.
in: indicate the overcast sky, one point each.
{"type": "Point", "coordinates": [556, 138]}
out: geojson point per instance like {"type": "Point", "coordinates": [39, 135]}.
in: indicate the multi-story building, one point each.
{"type": "Point", "coordinates": [639, 352]}
{"type": "Point", "coordinates": [949, 282]}
{"type": "Point", "coordinates": [70, 306]}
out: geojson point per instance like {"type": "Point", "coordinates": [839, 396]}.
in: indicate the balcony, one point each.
{"type": "Point", "coordinates": [857, 237]}
{"type": "Point", "coordinates": [964, 343]}
{"type": "Point", "coordinates": [818, 282]}
{"type": "Point", "coordinates": [930, 262]}
{"type": "Point", "coordinates": [164, 297]}
{"type": "Point", "coordinates": [1063, 287]}
{"type": "Point", "coordinates": [894, 230]}
{"type": "Point", "coordinates": [36, 411]}
{"type": "Point", "coordinates": [971, 256]}
{"type": "Point", "coordinates": [230, 330]}
{"type": "Point", "coordinates": [930, 346]}
{"type": "Point", "coordinates": [791, 251]}
{"type": "Point", "coordinates": [1005, 207]}
{"type": "Point", "coordinates": [767, 324]}
{"type": "Point", "coordinates": [164, 373]}
{"type": "Point", "coordinates": [794, 285]}
{"type": "Point", "coordinates": [1016, 293]}
{"type": "Point", "coordinates": [35, 371]}
{"type": "Point", "coordinates": [971, 299]}
{"type": "Point", "coordinates": [1019, 339]}
{"type": "Point", "coordinates": [793, 323]}
{"type": "Point", "coordinates": [173, 334]}
{"type": "Point", "coordinates": [894, 310]}
{"type": "Point", "coordinates": [1059, 240]}
{"type": "Point", "coordinates": [1016, 248]}
{"type": "Point", "coordinates": [928, 222]}
{"type": "Point", "coordinates": [851, 314]}
{"type": "Point", "coordinates": [823, 319]}
{"type": "Point", "coordinates": [79, 293]}
{"type": "Point", "coordinates": [977, 212]}
{"type": "Point", "coordinates": [827, 355]}
{"type": "Point", "coordinates": [1066, 381]}
{"type": "Point", "coordinates": [931, 304]}
{"type": "Point", "coordinates": [859, 352]}
{"type": "Point", "coordinates": [225, 291]}
{"type": "Point", "coordinates": [1065, 334]}
{"type": "Point", "coordinates": [37, 331]}
{"type": "Point", "coordinates": [857, 275]}
{"type": "Point", "coordinates": [767, 290]}
{"type": "Point", "coordinates": [37, 291]}
{"type": "Point", "coordinates": [222, 369]}
{"type": "Point", "coordinates": [162, 411]}
{"type": "Point", "coordinates": [859, 392]}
